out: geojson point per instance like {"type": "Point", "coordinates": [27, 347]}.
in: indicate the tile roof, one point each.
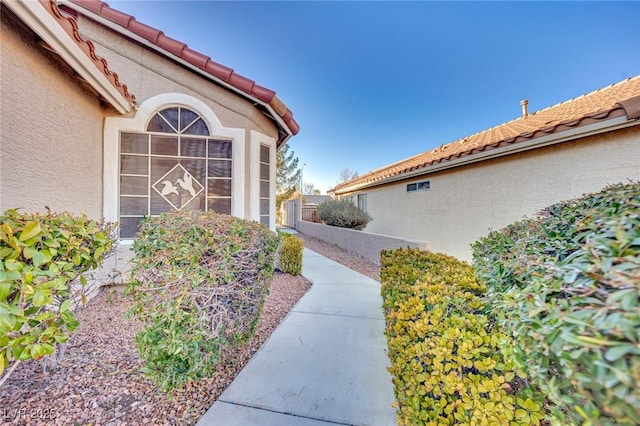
{"type": "Point", "coordinates": [616, 100]}
{"type": "Point", "coordinates": [198, 60]}
{"type": "Point", "coordinates": [70, 26]}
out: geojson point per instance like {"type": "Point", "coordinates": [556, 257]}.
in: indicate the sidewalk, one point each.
{"type": "Point", "coordinates": [326, 363]}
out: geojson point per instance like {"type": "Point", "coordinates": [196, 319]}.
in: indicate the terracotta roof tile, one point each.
{"type": "Point", "coordinates": [195, 58]}
{"type": "Point", "coordinates": [218, 70]}
{"type": "Point", "coordinates": [618, 99]}
{"type": "Point", "coordinates": [70, 26]}
{"type": "Point", "coordinates": [192, 57]}
{"type": "Point", "coordinates": [144, 31]}
{"type": "Point", "coordinates": [264, 94]}
{"type": "Point", "coordinates": [170, 45]}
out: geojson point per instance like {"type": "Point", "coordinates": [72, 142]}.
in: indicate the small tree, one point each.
{"type": "Point", "coordinates": [347, 175]}
{"type": "Point", "coordinates": [287, 176]}
{"type": "Point", "coordinates": [310, 189]}
{"type": "Point", "coordinates": [343, 213]}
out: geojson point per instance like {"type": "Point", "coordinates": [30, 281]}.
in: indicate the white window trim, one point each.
{"type": "Point", "coordinates": [256, 140]}
{"type": "Point", "coordinates": [114, 125]}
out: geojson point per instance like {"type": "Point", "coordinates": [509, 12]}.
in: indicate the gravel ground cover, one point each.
{"type": "Point", "coordinates": [99, 380]}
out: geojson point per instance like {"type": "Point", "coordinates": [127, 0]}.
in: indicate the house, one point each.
{"type": "Point", "coordinates": [105, 115]}
{"type": "Point", "coordinates": [452, 195]}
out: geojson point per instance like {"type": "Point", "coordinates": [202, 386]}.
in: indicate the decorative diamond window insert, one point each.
{"type": "Point", "coordinates": [178, 187]}
{"type": "Point", "coordinates": [176, 164]}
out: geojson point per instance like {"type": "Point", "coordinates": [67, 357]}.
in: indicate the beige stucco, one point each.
{"type": "Point", "coordinates": [151, 76]}
{"type": "Point", "coordinates": [148, 74]}
{"type": "Point", "coordinates": [465, 202]}
{"type": "Point", "coordinates": [50, 131]}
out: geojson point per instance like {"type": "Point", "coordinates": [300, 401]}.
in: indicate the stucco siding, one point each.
{"type": "Point", "coordinates": [465, 202]}
{"type": "Point", "coordinates": [50, 132]}
{"type": "Point", "coordinates": [148, 74]}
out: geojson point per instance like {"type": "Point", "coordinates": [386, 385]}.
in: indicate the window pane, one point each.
{"type": "Point", "coordinates": [219, 187]}
{"type": "Point", "coordinates": [264, 221]}
{"type": "Point", "coordinates": [163, 145]}
{"type": "Point", "coordinates": [264, 154]}
{"type": "Point", "coordinates": [161, 166]}
{"type": "Point", "coordinates": [412, 187]}
{"type": "Point", "coordinates": [197, 128]}
{"type": "Point", "coordinates": [133, 205]}
{"type": "Point", "coordinates": [134, 165]}
{"type": "Point", "coordinates": [219, 149]}
{"type": "Point", "coordinates": [193, 147]}
{"type": "Point", "coordinates": [133, 185]}
{"type": "Point", "coordinates": [159, 124]}
{"type": "Point", "coordinates": [171, 115]}
{"type": "Point", "coordinates": [219, 168]}
{"type": "Point", "coordinates": [264, 171]}
{"type": "Point", "coordinates": [197, 169]}
{"type": "Point", "coordinates": [264, 206]}
{"type": "Point", "coordinates": [161, 204]}
{"type": "Point", "coordinates": [129, 226]}
{"type": "Point", "coordinates": [424, 185]}
{"type": "Point", "coordinates": [220, 205]}
{"type": "Point", "coordinates": [264, 189]}
{"type": "Point", "coordinates": [134, 143]}
{"type": "Point", "coordinates": [186, 118]}
{"type": "Point", "coordinates": [196, 203]}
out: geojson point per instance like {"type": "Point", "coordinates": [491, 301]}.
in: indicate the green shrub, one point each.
{"type": "Point", "coordinates": [290, 259]}
{"type": "Point", "coordinates": [343, 213]}
{"type": "Point", "coordinates": [446, 362]}
{"type": "Point", "coordinates": [199, 281]}
{"type": "Point", "coordinates": [41, 255]}
{"type": "Point", "coordinates": [566, 284]}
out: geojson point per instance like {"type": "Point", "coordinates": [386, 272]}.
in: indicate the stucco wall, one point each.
{"type": "Point", "coordinates": [148, 74]}
{"type": "Point", "coordinates": [366, 244]}
{"type": "Point", "coordinates": [50, 131]}
{"type": "Point", "coordinates": [464, 203]}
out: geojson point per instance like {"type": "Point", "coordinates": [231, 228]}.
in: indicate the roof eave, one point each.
{"type": "Point", "coordinates": [121, 30]}
{"type": "Point", "coordinates": [35, 15]}
{"type": "Point", "coordinates": [604, 126]}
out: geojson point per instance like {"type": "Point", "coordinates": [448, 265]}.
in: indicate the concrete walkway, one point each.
{"type": "Point", "coordinates": [326, 363]}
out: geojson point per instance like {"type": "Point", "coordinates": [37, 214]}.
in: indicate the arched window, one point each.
{"type": "Point", "coordinates": [174, 165]}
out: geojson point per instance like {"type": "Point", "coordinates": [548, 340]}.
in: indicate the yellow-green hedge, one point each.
{"type": "Point", "coordinates": [446, 361]}
{"type": "Point", "coordinates": [290, 260]}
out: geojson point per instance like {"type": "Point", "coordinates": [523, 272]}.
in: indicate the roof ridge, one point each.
{"type": "Point", "coordinates": [531, 114]}
{"type": "Point", "coordinates": [522, 129]}
{"type": "Point", "coordinates": [199, 60]}
{"type": "Point", "coordinates": [584, 95]}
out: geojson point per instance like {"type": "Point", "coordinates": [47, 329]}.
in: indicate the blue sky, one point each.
{"type": "Point", "coordinates": [371, 83]}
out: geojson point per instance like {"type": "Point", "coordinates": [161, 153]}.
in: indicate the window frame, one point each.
{"type": "Point", "coordinates": [416, 186]}
{"type": "Point", "coordinates": [137, 122]}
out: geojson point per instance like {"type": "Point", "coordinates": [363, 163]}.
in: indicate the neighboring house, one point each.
{"type": "Point", "coordinates": [452, 195]}
{"type": "Point", "coordinates": [315, 199]}
{"type": "Point", "coordinates": [104, 115]}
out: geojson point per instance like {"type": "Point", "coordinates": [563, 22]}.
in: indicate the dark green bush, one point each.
{"type": "Point", "coordinates": [290, 256]}
{"type": "Point", "coordinates": [446, 362]}
{"type": "Point", "coordinates": [343, 213]}
{"type": "Point", "coordinates": [41, 256]}
{"type": "Point", "coordinates": [199, 281]}
{"type": "Point", "coordinates": [566, 284]}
